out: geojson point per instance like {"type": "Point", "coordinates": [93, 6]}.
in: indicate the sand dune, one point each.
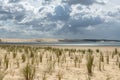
{"type": "Point", "coordinates": [28, 40]}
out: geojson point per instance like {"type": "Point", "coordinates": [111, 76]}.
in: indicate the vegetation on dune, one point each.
{"type": "Point", "coordinates": [60, 75]}
{"type": "Point", "coordinates": [42, 62]}
{"type": "Point", "coordinates": [29, 72]}
{"type": "Point", "coordinates": [89, 64]}
{"type": "Point", "coordinates": [2, 75]}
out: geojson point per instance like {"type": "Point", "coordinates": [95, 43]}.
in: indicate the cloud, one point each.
{"type": "Point", "coordinates": [81, 18]}
{"type": "Point", "coordinates": [12, 11]}
{"type": "Point", "coordinates": [78, 19]}
{"type": "Point", "coordinates": [61, 12]}
{"type": "Point", "coordinates": [83, 2]}
{"type": "Point", "coordinates": [13, 1]}
{"type": "Point", "coordinates": [115, 13]}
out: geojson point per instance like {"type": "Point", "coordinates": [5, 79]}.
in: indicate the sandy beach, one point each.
{"type": "Point", "coordinates": [59, 63]}
{"type": "Point", "coordinates": [59, 39]}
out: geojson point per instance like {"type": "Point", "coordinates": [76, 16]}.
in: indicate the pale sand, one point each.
{"type": "Point", "coordinates": [29, 40]}
{"type": "Point", "coordinates": [68, 71]}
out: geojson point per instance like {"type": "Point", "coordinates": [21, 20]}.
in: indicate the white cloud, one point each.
{"type": "Point", "coordinates": [90, 28]}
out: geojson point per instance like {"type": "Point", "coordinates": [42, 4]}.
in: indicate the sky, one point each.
{"type": "Point", "coordinates": [74, 19]}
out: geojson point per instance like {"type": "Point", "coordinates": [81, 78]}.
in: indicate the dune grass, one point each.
{"type": "Point", "coordinates": [89, 64]}
{"type": "Point", "coordinates": [29, 72]}
{"type": "Point", "coordinates": [43, 62]}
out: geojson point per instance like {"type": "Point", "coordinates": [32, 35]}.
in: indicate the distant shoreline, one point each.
{"type": "Point", "coordinates": [67, 44]}
{"type": "Point", "coordinates": [17, 40]}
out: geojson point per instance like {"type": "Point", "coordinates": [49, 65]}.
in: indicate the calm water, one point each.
{"type": "Point", "coordinates": [69, 43]}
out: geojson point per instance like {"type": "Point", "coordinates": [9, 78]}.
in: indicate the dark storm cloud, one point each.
{"type": "Point", "coordinates": [14, 1]}
{"type": "Point", "coordinates": [84, 2]}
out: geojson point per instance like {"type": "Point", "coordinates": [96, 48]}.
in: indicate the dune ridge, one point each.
{"type": "Point", "coordinates": [28, 40]}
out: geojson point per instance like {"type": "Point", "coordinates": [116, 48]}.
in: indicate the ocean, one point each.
{"type": "Point", "coordinates": [65, 43]}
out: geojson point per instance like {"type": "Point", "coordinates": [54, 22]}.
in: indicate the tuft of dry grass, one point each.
{"type": "Point", "coordinates": [29, 72]}
{"type": "Point", "coordinates": [60, 75]}
{"type": "Point", "coordinates": [107, 58]}
{"type": "Point", "coordinates": [6, 61]}
{"type": "Point", "coordinates": [23, 58]}
{"type": "Point", "coordinates": [2, 75]}
{"type": "Point", "coordinates": [44, 77]}
{"type": "Point", "coordinates": [90, 59]}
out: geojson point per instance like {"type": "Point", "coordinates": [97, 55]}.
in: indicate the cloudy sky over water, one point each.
{"type": "Point", "coordinates": [60, 19]}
